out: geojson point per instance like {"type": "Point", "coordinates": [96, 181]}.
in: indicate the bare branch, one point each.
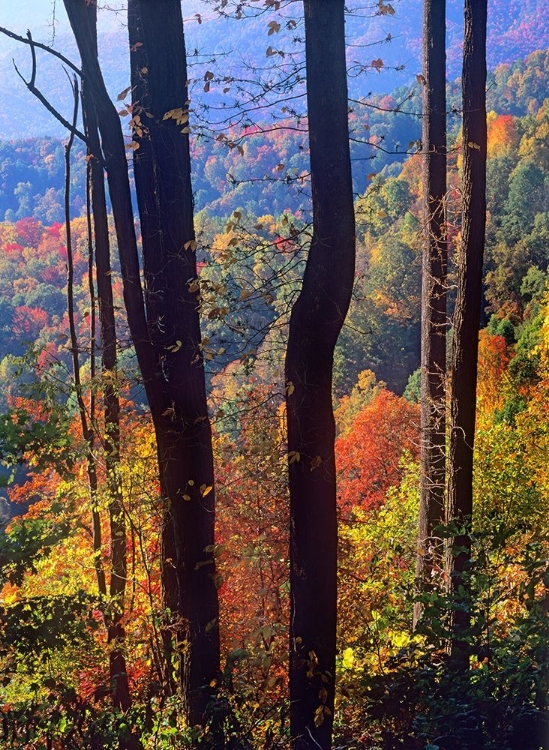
{"type": "Point", "coordinates": [35, 91]}
{"type": "Point", "coordinates": [39, 45]}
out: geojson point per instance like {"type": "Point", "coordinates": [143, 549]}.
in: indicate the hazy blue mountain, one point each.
{"type": "Point", "coordinates": [238, 47]}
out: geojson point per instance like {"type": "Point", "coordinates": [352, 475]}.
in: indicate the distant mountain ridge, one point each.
{"type": "Point", "coordinates": [516, 28]}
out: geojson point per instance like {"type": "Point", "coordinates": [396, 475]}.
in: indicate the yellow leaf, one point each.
{"type": "Point", "coordinates": [175, 347]}
{"type": "Point", "coordinates": [319, 716]}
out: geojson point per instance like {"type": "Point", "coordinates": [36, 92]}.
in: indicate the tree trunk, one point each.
{"type": "Point", "coordinates": [467, 318]}
{"type": "Point", "coordinates": [168, 351]}
{"type": "Point", "coordinates": [316, 320]}
{"type": "Point", "coordinates": [85, 419]}
{"type": "Point", "coordinates": [153, 260]}
{"type": "Point", "coordinates": [184, 435]}
{"type": "Point", "coordinates": [114, 611]}
{"type": "Point", "coordinates": [433, 298]}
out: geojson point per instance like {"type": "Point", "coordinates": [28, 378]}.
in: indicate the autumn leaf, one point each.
{"type": "Point", "coordinates": [315, 463]}
{"type": "Point", "coordinates": [319, 716]}
{"type": "Point", "coordinates": [122, 95]}
{"type": "Point", "coordinates": [175, 347]}
{"type": "Point", "coordinates": [385, 9]}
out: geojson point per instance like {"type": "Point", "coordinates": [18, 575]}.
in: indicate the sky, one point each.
{"type": "Point", "coordinates": [39, 15]}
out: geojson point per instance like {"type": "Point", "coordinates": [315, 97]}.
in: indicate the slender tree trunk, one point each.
{"type": "Point", "coordinates": [168, 352]}
{"type": "Point", "coordinates": [115, 162]}
{"type": "Point", "coordinates": [85, 418]}
{"type": "Point", "coordinates": [433, 312]}
{"type": "Point", "coordinates": [316, 321]}
{"type": "Point", "coordinates": [114, 611]}
{"type": "Point", "coordinates": [467, 316]}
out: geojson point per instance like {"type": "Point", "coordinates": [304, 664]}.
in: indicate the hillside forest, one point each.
{"type": "Point", "coordinates": [274, 377]}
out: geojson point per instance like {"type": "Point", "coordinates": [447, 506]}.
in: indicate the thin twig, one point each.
{"type": "Point", "coordinates": [55, 53]}
{"type": "Point", "coordinates": [31, 86]}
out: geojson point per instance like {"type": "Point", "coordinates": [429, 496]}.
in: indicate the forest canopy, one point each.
{"type": "Point", "coordinates": [254, 493]}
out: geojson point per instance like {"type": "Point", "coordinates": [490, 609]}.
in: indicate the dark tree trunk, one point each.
{"type": "Point", "coordinates": [316, 320]}
{"type": "Point", "coordinates": [467, 316]}
{"type": "Point", "coordinates": [433, 298]}
{"type": "Point", "coordinates": [85, 418]}
{"type": "Point", "coordinates": [87, 429]}
{"type": "Point", "coordinates": [118, 568]}
{"type": "Point", "coordinates": [155, 294]}
{"type": "Point", "coordinates": [168, 352]}
{"type": "Point", "coordinates": [114, 155]}
{"type": "Point", "coordinates": [184, 435]}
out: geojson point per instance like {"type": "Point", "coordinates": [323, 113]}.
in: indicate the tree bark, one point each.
{"type": "Point", "coordinates": [316, 320]}
{"type": "Point", "coordinates": [114, 610]}
{"type": "Point", "coordinates": [433, 299]}
{"type": "Point", "coordinates": [467, 320]}
{"type": "Point", "coordinates": [168, 350]}
{"type": "Point", "coordinates": [85, 418]}
{"type": "Point", "coordinates": [184, 435]}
